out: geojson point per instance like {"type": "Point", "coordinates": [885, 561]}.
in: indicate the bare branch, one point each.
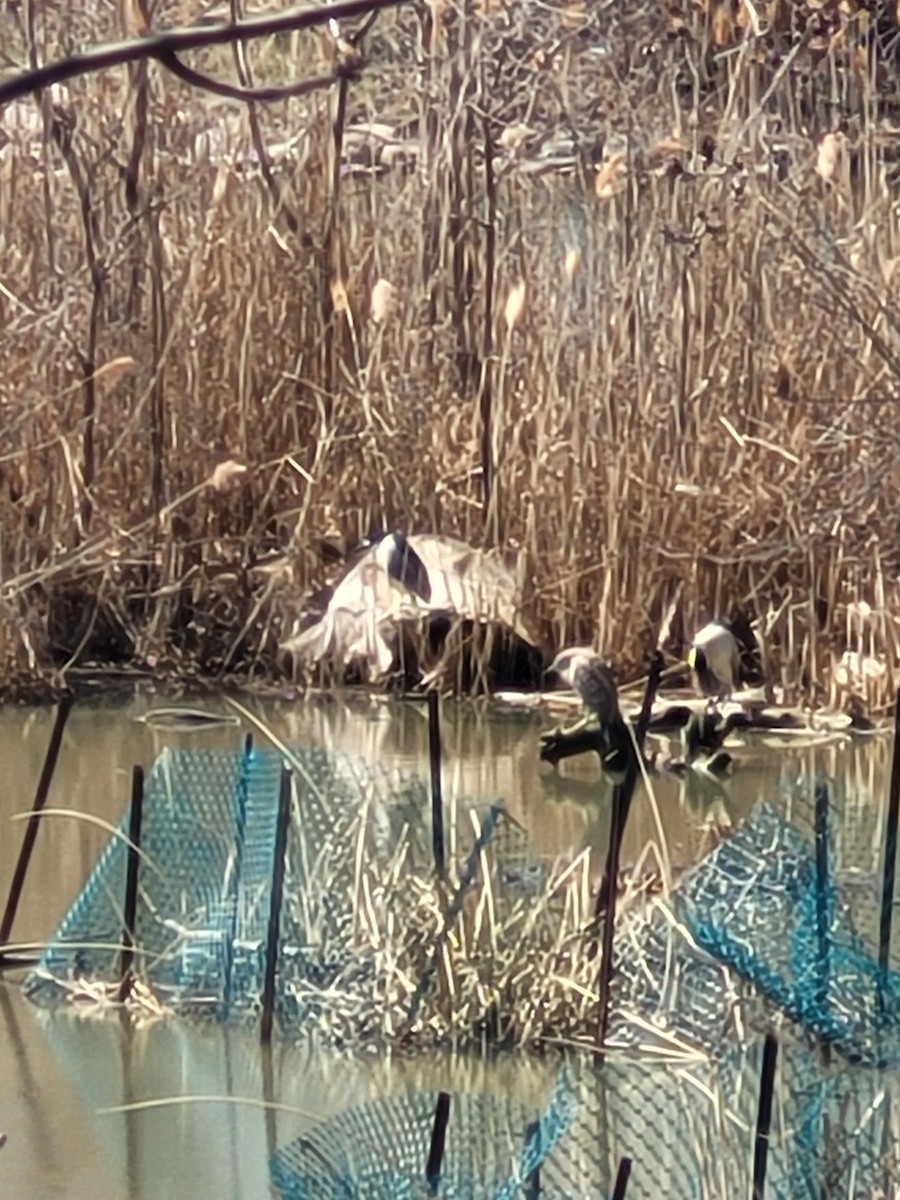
{"type": "Point", "coordinates": [163, 46]}
{"type": "Point", "coordinates": [234, 92]}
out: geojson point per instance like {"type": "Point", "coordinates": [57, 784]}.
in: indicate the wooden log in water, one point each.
{"type": "Point", "coordinates": [558, 744]}
{"type": "Point", "coordinates": [186, 720]}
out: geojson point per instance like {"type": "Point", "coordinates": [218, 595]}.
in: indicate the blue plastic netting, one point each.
{"type": "Point", "coordinates": [763, 931]}
{"type": "Point", "coordinates": [380, 1149]}
{"type": "Point", "coordinates": [208, 842]}
{"type": "Point", "coordinates": [760, 904]}
{"type": "Point", "coordinates": [688, 1127]}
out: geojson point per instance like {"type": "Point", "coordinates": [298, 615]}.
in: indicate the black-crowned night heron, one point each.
{"type": "Point", "coordinates": [715, 660]}
{"type": "Point", "coordinates": [588, 675]}
{"type": "Point", "coordinates": [406, 571]}
{"type": "Point", "coordinates": [349, 619]}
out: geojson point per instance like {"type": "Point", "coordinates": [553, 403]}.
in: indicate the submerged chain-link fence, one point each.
{"type": "Point", "coordinates": [207, 860]}
{"type": "Point", "coordinates": [495, 1147]}
{"type": "Point", "coordinates": [687, 1125]}
{"type": "Point", "coordinates": [773, 929]}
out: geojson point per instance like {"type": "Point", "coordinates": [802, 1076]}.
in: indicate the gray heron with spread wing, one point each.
{"type": "Point", "coordinates": [399, 561]}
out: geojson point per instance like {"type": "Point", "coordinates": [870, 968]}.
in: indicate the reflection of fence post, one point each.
{"type": "Point", "coordinates": [621, 800]}
{"type": "Point", "coordinates": [40, 799]}
{"type": "Point", "coordinates": [278, 868]}
{"type": "Point", "coordinates": [270, 1110]}
{"type": "Point", "coordinates": [437, 799]}
{"type": "Point", "coordinates": [532, 1185]}
{"type": "Point", "coordinates": [234, 883]}
{"type": "Point", "coordinates": [438, 1139]}
{"type": "Point", "coordinates": [466, 879]}
{"type": "Point", "coordinates": [890, 852]}
{"type": "Point", "coordinates": [621, 803]}
{"type": "Point", "coordinates": [135, 818]}
{"type": "Point", "coordinates": [764, 1115]}
{"type": "Point", "coordinates": [823, 911]}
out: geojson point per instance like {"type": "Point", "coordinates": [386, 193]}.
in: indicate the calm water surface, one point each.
{"type": "Point", "coordinates": [58, 1073]}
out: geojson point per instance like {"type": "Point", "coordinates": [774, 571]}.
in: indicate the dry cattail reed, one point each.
{"type": "Point", "coordinates": [601, 418]}
{"type": "Point", "coordinates": [225, 474]}
{"type": "Point", "coordinates": [515, 306]}
{"type": "Point", "coordinates": [828, 155]}
{"type": "Point", "coordinates": [610, 178]}
{"type": "Point", "coordinates": [339, 297]}
{"type": "Point", "coordinates": [514, 135]}
{"type": "Point", "coordinates": [383, 301]}
{"type": "Point", "coordinates": [572, 263]}
{"type": "Point", "coordinates": [111, 372]}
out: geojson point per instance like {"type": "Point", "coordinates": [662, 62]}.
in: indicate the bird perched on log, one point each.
{"type": "Point", "coordinates": [589, 676]}
{"type": "Point", "coordinates": [715, 660]}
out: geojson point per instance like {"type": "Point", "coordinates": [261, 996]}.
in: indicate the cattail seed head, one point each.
{"type": "Point", "coordinates": [515, 306]}
{"type": "Point", "coordinates": [382, 301]}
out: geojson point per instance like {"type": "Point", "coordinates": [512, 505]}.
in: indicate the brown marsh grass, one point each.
{"type": "Point", "coordinates": [672, 366]}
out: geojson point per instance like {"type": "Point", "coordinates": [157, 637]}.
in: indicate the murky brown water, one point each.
{"type": "Point", "coordinates": [56, 1073]}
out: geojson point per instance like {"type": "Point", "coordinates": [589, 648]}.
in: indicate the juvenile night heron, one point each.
{"type": "Point", "coordinates": [715, 660]}
{"type": "Point", "coordinates": [588, 675]}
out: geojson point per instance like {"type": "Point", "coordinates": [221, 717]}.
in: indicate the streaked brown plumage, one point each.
{"type": "Point", "coordinates": [588, 675]}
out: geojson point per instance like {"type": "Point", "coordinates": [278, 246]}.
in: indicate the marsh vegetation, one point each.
{"type": "Point", "coordinates": [611, 288]}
